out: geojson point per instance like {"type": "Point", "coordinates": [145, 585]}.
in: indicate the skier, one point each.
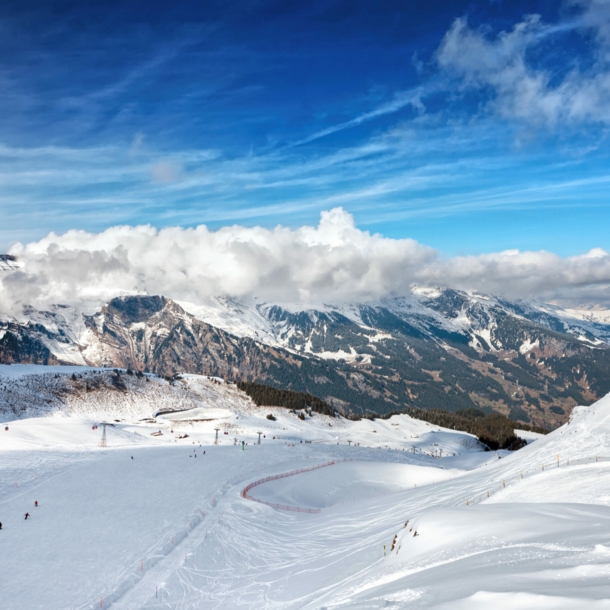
{"type": "Point", "coordinates": [26, 516]}
{"type": "Point", "coordinates": [36, 503]}
{"type": "Point", "coordinates": [0, 526]}
{"type": "Point", "coordinates": [132, 457]}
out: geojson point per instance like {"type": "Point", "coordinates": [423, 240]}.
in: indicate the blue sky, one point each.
{"type": "Point", "coordinates": [469, 126]}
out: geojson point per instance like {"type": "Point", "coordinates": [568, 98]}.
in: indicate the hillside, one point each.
{"type": "Point", "coordinates": [150, 403]}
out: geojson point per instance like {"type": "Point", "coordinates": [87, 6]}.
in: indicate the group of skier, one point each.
{"type": "Point", "coordinates": [26, 514]}
{"type": "Point", "coordinates": [195, 452]}
{"type": "Point", "coordinates": [35, 506]}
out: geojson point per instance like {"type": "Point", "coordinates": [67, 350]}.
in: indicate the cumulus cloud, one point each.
{"type": "Point", "coordinates": [529, 93]}
{"type": "Point", "coordinates": [542, 275]}
{"type": "Point", "coordinates": [333, 262]}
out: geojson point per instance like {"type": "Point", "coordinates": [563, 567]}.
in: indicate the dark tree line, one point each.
{"type": "Point", "coordinates": [496, 431]}
{"type": "Point", "coordinates": [264, 395]}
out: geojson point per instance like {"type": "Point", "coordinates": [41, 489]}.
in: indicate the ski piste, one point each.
{"type": "Point", "coordinates": [166, 530]}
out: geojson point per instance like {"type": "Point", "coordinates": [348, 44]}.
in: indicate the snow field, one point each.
{"type": "Point", "coordinates": [94, 395]}
{"type": "Point", "coordinates": [459, 531]}
{"type": "Point", "coordinates": [523, 601]}
{"type": "Point", "coordinates": [576, 483]}
{"type": "Point", "coordinates": [528, 436]}
{"type": "Point", "coordinates": [168, 530]}
{"type": "Point", "coordinates": [553, 554]}
{"type": "Point", "coordinates": [119, 524]}
{"type": "Point", "coordinates": [526, 544]}
{"type": "Point", "coordinates": [63, 433]}
{"type": "Point", "coordinates": [197, 414]}
{"type": "Point", "coordinates": [105, 521]}
{"type": "Point", "coordinates": [348, 482]}
{"type": "Point", "coordinates": [100, 516]}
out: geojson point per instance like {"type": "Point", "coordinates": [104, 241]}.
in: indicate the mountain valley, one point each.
{"type": "Point", "coordinates": [443, 349]}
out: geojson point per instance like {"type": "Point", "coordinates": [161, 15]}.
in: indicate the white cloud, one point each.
{"type": "Point", "coordinates": [332, 262]}
{"type": "Point", "coordinates": [523, 91]}
{"type": "Point", "coordinates": [528, 274]}
{"type": "Point", "coordinates": [596, 18]}
{"type": "Point", "coordinates": [401, 100]}
{"type": "Point", "coordinates": [136, 143]}
{"type": "Point", "coordinates": [166, 172]}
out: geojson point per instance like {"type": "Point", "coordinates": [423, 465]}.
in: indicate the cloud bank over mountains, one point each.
{"type": "Point", "coordinates": [332, 262]}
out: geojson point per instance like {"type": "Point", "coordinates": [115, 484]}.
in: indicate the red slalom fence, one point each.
{"type": "Point", "coordinates": [295, 509]}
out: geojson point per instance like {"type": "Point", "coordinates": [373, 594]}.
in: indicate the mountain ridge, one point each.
{"type": "Point", "coordinates": [438, 348]}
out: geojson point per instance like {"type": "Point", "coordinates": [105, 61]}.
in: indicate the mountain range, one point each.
{"type": "Point", "coordinates": [436, 348]}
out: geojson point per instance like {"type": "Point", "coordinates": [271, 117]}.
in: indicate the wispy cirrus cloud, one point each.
{"type": "Point", "coordinates": [396, 175]}
{"type": "Point", "coordinates": [420, 153]}
{"type": "Point", "coordinates": [524, 91]}
{"type": "Point", "coordinates": [403, 99]}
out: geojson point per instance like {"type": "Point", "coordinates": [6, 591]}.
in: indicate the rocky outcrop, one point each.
{"type": "Point", "coordinates": [19, 345]}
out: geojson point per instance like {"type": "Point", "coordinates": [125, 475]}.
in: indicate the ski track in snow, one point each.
{"type": "Point", "coordinates": [141, 592]}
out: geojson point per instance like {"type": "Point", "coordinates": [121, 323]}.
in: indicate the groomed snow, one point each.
{"type": "Point", "coordinates": [348, 482]}
{"type": "Point", "coordinates": [198, 414]}
{"type": "Point", "coordinates": [167, 529]}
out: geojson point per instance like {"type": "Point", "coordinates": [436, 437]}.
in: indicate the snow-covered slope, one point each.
{"type": "Point", "coordinates": [146, 524]}
{"type": "Point", "coordinates": [537, 540]}
{"type": "Point", "coordinates": [195, 403]}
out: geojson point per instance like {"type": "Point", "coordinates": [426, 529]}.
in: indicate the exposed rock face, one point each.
{"type": "Point", "coordinates": [493, 358]}
{"type": "Point", "coordinates": [20, 345]}
{"type": "Point", "coordinates": [8, 262]}
{"type": "Point", "coordinates": [156, 334]}
{"type": "Point", "coordinates": [445, 350]}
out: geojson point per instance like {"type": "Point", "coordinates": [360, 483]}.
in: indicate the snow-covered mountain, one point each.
{"type": "Point", "coordinates": [8, 263]}
{"type": "Point", "coordinates": [436, 348]}
{"type": "Point", "coordinates": [428, 310]}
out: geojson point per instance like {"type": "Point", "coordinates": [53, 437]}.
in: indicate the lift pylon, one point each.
{"type": "Point", "coordinates": [102, 443]}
